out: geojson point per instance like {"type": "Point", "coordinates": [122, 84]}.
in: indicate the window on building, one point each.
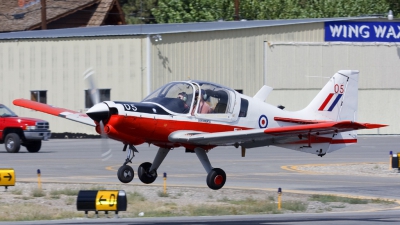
{"type": "Point", "coordinates": [39, 96]}
{"type": "Point", "coordinates": [104, 95]}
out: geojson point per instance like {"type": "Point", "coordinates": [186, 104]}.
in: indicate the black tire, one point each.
{"type": "Point", "coordinates": [125, 174]}
{"type": "Point", "coordinates": [144, 175]}
{"type": "Point", "coordinates": [12, 143]}
{"type": "Point", "coordinates": [33, 146]}
{"type": "Point", "coordinates": [216, 178]}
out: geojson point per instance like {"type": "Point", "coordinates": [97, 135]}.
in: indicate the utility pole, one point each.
{"type": "Point", "coordinates": [44, 22]}
{"type": "Point", "coordinates": [236, 10]}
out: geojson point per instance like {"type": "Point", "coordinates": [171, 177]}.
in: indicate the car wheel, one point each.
{"type": "Point", "coordinates": [33, 146]}
{"type": "Point", "coordinates": [12, 143]}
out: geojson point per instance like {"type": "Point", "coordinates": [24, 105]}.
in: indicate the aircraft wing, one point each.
{"type": "Point", "coordinates": [263, 137]}
{"type": "Point", "coordinates": [55, 111]}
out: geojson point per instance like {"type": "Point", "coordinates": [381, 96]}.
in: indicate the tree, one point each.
{"type": "Point", "coordinates": [138, 11]}
{"type": "Point", "coordinates": [394, 5]}
{"type": "Point", "coordinates": [183, 11]}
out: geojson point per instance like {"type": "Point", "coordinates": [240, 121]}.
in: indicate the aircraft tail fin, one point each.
{"type": "Point", "coordinates": [338, 99]}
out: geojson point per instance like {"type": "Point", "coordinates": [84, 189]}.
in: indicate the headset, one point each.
{"type": "Point", "coordinates": [204, 95]}
{"type": "Point", "coordinates": [184, 96]}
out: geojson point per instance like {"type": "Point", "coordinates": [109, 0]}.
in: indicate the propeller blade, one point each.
{"type": "Point", "coordinates": [93, 91]}
{"type": "Point", "coordinates": [105, 148]}
{"type": "Point", "coordinates": [95, 97]}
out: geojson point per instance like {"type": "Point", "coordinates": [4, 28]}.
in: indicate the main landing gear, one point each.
{"type": "Point", "coordinates": [147, 172]}
{"type": "Point", "coordinates": [216, 177]}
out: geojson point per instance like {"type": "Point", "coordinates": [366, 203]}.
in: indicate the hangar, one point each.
{"type": "Point", "coordinates": [295, 57]}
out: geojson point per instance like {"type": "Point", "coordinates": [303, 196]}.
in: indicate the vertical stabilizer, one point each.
{"type": "Point", "coordinates": [337, 100]}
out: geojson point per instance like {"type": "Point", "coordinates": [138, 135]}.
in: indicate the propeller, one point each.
{"type": "Point", "coordinates": [95, 97]}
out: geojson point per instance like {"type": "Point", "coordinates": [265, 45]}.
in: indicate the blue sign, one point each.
{"type": "Point", "coordinates": [362, 31]}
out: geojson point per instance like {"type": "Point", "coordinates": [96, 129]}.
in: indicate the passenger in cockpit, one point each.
{"type": "Point", "coordinates": [204, 108]}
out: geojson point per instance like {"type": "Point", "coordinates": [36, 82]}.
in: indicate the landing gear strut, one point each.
{"type": "Point", "coordinates": [216, 177]}
{"type": "Point", "coordinates": [147, 172]}
{"type": "Point", "coordinates": [125, 173]}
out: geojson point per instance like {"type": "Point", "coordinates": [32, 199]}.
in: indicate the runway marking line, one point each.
{"type": "Point", "coordinates": [294, 168]}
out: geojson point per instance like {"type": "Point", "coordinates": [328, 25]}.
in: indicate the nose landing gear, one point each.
{"type": "Point", "coordinates": [126, 173]}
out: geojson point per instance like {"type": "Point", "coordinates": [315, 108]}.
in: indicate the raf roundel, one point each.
{"type": "Point", "coordinates": [263, 121]}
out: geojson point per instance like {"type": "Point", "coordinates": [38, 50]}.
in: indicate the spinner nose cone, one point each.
{"type": "Point", "coordinates": [99, 112]}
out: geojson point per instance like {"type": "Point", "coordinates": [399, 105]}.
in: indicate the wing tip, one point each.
{"type": "Point", "coordinates": [374, 125]}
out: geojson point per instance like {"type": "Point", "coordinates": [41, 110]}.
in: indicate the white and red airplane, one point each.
{"type": "Point", "coordinates": [207, 115]}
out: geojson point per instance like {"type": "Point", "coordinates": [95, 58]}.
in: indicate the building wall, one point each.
{"type": "Point", "coordinates": [234, 58]}
{"type": "Point", "coordinates": [57, 65]}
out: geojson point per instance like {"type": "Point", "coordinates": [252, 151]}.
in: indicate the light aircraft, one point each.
{"type": "Point", "coordinates": [163, 119]}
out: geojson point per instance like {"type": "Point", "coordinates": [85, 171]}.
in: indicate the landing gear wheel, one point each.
{"type": "Point", "coordinates": [216, 178]}
{"type": "Point", "coordinates": [12, 143]}
{"type": "Point", "coordinates": [125, 174]}
{"type": "Point", "coordinates": [33, 146]}
{"type": "Point", "coordinates": [144, 175]}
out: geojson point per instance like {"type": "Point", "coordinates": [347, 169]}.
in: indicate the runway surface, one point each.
{"type": "Point", "coordinates": [79, 161]}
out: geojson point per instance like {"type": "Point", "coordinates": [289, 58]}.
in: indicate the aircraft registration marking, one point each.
{"type": "Point", "coordinates": [130, 107]}
{"type": "Point", "coordinates": [204, 121]}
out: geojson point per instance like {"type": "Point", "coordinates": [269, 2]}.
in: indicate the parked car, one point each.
{"type": "Point", "coordinates": [16, 131]}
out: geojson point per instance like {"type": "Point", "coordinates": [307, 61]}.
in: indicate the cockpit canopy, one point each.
{"type": "Point", "coordinates": [184, 98]}
{"type": "Point", "coordinates": [167, 96]}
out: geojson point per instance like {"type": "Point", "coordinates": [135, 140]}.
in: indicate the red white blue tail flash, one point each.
{"type": "Point", "coordinates": [330, 102]}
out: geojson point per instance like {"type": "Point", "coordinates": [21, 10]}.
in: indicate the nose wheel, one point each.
{"type": "Point", "coordinates": [125, 174]}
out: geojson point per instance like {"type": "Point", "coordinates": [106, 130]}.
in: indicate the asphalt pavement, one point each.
{"type": "Point", "coordinates": [80, 161]}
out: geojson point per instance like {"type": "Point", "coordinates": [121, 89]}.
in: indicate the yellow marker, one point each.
{"type": "Point", "coordinates": [279, 198]}
{"type": "Point", "coordinates": [165, 183]}
{"type": "Point", "coordinates": [7, 177]}
{"type": "Point", "coordinates": [39, 183]}
{"type": "Point", "coordinates": [106, 200]}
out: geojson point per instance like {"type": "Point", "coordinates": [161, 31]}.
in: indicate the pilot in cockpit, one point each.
{"type": "Point", "coordinates": [184, 97]}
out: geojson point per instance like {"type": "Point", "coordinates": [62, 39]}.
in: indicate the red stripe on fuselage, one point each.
{"type": "Point", "coordinates": [325, 102]}
{"type": "Point", "coordinates": [157, 129]}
